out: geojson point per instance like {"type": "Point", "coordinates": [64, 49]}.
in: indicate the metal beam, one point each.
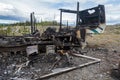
{"type": "Point", "coordinates": [77, 16]}
{"type": "Point", "coordinates": [60, 20]}
{"type": "Point", "coordinates": [68, 11]}
{"type": "Point", "coordinates": [31, 22]}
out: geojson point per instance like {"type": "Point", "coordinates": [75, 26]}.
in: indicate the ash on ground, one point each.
{"type": "Point", "coordinates": [21, 67]}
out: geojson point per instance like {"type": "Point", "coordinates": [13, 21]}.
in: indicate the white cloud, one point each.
{"type": "Point", "coordinates": [46, 9]}
{"type": "Point", "coordinates": [6, 9]}
{"type": "Point", "coordinates": [112, 13]}
{"type": "Point", "coordinates": [100, 1]}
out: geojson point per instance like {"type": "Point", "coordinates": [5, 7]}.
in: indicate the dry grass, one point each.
{"type": "Point", "coordinates": [105, 39]}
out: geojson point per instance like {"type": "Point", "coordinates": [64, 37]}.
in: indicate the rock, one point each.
{"type": "Point", "coordinates": [5, 72]}
{"type": "Point", "coordinates": [102, 49]}
{"type": "Point", "coordinates": [101, 75]}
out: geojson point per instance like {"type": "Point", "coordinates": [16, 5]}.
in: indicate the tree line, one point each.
{"type": "Point", "coordinates": [27, 23]}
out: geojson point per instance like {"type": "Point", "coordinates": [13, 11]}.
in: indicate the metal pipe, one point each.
{"type": "Point", "coordinates": [31, 20]}
{"type": "Point", "coordinates": [77, 17]}
{"type": "Point", "coordinates": [67, 25]}
{"type": "Point", "coordinates": [84, 56]}
{"type": "Point", "coordinates": [60, 20]}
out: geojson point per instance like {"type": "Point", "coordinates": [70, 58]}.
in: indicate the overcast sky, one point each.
{"type": "Point", "coordinates": [19, 10]}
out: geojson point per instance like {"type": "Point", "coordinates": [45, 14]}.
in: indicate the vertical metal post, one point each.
{"type": "Point", "coordinates": [77, 17]}
{"type": "Point", "coordinates": [67, 25]}
{"type": "Point", "coordinates": [60, 20]}
{"type": "Point", "coordinates": [31, 22]}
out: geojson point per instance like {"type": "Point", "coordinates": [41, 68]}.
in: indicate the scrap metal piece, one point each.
{"type": "Point", "coordinates": [32, 49]}
{"type": "Point", "coordinates": [21, 66]}
{"type": "Point", "coordinates": [50, 49]}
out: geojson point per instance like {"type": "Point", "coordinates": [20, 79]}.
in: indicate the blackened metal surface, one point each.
{"type": "Point", "coordinates": [92, 17]}
{"type": "Point", "coordinates": [89, 18]}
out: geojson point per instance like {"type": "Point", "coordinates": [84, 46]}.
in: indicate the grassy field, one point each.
{"type": "Point", "coordinates": [20, 30]}
{"type": "Point", "coordinates": [111, 35]}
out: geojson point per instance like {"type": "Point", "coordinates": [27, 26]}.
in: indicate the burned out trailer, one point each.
{"type": "Point", "coordinates": [66, 38]}
{"type": "Point", "coordinates": [57, 45]}
{"type": "Point", "coordinates": [86, 19]}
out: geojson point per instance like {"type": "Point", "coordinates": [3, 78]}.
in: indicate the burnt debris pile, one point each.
{"type": "Point", "coordinates": [37, 56]}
